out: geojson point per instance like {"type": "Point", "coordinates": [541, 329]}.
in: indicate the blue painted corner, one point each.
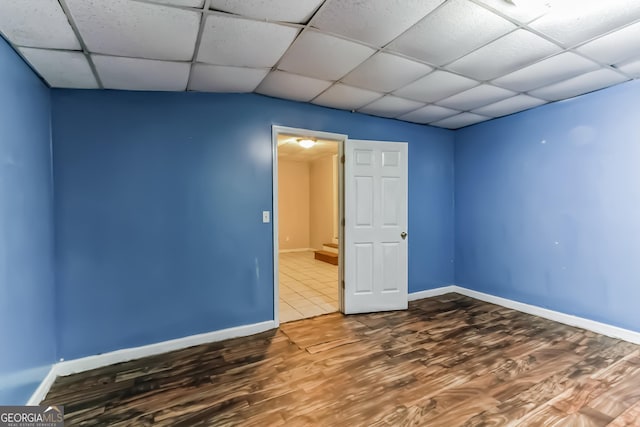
{"type": "Point", "coordinates": [27, 300]}
{"type": "Point", "coordinates": [548, 206]}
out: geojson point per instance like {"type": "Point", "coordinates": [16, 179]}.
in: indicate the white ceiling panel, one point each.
{"type": "Point", "coordinates": [390, 106]}
{"type": "Point", "coordinates": [131, 28]}
{"type": "Point", "coordinates": [184, 3]}
{"type": "Point", "coordinates": [546, 72]}
{"type": "Point", "coordinates": [296, 11]}
{"type": "Point", "coordinates": [461, 120]}
{"type": "Point", "coordinates": [243, 43]}
{"type": "Point", "coordinates": [578, 85]}
{"type": "Point", "coordinates": [476, 97]}
{"type": "Point", "coordinates": [376, 22]}
{"type": "Point", "coordinates": [61, 68]}
{"type": "Point", "coordinates": [509, 106]}
{"type": "Point", "coordinates": [324, 57]}
{"type": "Point", "coordinates": [292, 86]}
{"type": "Point", "coordinates": [346, 97]}
{"type": "Point", "coordinates": [632, 68]}
{"type": "Point", "coordinates": [573, 22]}
{"type": "Point", "coordinates": [615, 47]}
{"type": "Point", "coordinates": [141, 74]}
{"type": "Point", "coordinates": [385, 72]}
{"type": "Point", "coordinates": [524, 11]}
{"type": "Point", "coordinates": [504, 55]}
{"type": "Point", "coordinates": [218, 78]}
{"type": "Point", "coordinates": [428, 114]}
{"type": "Point", "coordinates": [436, 86]}
{"type": "Point", "coordinates": [37, 23]}
{"type": "Point", "coordinates": [456, 28]}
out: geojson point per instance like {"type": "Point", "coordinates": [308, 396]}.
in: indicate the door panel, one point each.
{"type": "Point", "coordinates": [375, 268]}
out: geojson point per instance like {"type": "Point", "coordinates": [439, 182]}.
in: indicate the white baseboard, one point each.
{"type": "Point", "coordinates": [567, 319]}
{"type": "Point", "coordinates": [74, 366]}
{"type": "Point", "coordinates": [431, 292]}
{"type": "Point", "coordinates": [286, 251]}
{"type": "Point", "coordinates": [42, 390]}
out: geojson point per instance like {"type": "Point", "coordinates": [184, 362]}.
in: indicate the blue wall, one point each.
{"type": "Point", "coordinates": [548, 206]}
{"type": "Point", "coordinates": [27, 333]}
{"type": "Point", "coordinates": [158, 210]}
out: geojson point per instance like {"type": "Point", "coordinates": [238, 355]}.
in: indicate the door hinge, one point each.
{"type": "Point", "coordinates": [343, 222]}
{"type": "Point", "coordinates": [342, 159]}
{"type": "Point", "coordinates": [343, 284]}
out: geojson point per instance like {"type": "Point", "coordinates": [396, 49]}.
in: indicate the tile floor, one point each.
{"type": "Point", "coordinates": [308, 287]}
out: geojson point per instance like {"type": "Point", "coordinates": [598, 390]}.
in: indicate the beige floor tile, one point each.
{"type": "Point", "coordinates": [308, 287]}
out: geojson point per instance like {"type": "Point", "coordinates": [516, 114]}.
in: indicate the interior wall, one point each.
{"type": "Point", "coordinates": [158, 210]}
{"type": "Point", "coordinates": [293, 204]}
{"type": "Point", "coordinates": [548, 206]}
{"type": "Point", "coordinates": [321, 191]}
{"type": "Point", "coordinates": [27, 299]}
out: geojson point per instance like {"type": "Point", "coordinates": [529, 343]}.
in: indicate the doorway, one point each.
{"type": "Point", "coordinates": [307, 203]}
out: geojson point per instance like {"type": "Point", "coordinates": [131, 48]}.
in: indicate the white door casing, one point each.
{"type": "Point", "coordinates": [376, 219]}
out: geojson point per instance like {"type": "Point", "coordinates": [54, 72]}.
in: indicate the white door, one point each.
{"type": "Point", "coordinates": [375, 249]}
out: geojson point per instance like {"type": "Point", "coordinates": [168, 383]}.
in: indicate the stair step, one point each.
{"type": "Point", "coordinates": [330, 247]}
{"type": "Point", "coordinates": [325, 256]}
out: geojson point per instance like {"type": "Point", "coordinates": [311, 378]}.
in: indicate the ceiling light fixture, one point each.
{"type": "Point", "coordinates": [306, 143]}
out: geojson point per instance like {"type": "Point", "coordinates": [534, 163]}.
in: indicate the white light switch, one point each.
{"type": "Point", "coordinates": [266, 217]}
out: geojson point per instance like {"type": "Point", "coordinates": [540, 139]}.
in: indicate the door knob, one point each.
{"type": "Point", "coordinates": [403, 235]}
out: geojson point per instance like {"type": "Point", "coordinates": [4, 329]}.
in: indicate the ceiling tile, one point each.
{"type": "Point", "coordinates": [322, 56]}
{"type": "Point", "coordinates": [218, 78]}
{"type": "Point", "coordinates": [632, 68]}
{"type": "Point", "coordinates": [456, 28]}
{"type": "Point", "coordinates": [428, 114]}
{"type": "Point", "coordinates": [461, 120]}
{"type": "Point", "coordinates": [184, 3]}
{"type": "Point", "coordinates": [523, 11]}
{"type": "Point", "coordinates": [509, 106]}
{"type": "Point", "coordinates": [244, 43]}
{"type": "Point", "coordinates": [346, 97]}
{"type": "Point", "coordinates": [504, 55]}
{"type": "Point", "coordinates": [390, 106]}
{"type": "Point", "coordinates": [141, 74]}
{"type": "Point", "coordinates": [37, 23]}
{"type": "Point", "coordinates": [584, 83]}
{"type": "Point", "coordinates": [61, 68]}
{"type": "Point", "coordinates": [575, 22]}
{"type": "Point", "coordinates": [136, 29]}
{"type": "Point", "coordinates": [560, 67]}
{"type": "Point", "coordinates": [436, 86]}
{"type": "Point", "coordinates": [291, 86]}
{"type": "Point", "coordinates": [297, 11]}
{"type": "Point", "coordinates": [476, 97]}
{"type": "Point", "coordinates": [376, 22]}
{"type": "Point", "coordinates": [385, 72]}
{"type": "Point", "coordinates": [615, 47]}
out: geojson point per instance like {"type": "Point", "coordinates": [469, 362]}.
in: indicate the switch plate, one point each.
{"type": "Point", "coordinates": [266, 217]}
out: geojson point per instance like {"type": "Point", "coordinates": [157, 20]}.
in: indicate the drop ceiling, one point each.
{"type": "Point", "coordinates": [447, 63]}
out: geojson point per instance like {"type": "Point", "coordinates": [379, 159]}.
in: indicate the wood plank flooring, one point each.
{"type": "Point", "coordinates": [447, 361]}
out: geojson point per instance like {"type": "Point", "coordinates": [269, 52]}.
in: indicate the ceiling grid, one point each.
{"type": "Point", "coordinates": [447, 63]}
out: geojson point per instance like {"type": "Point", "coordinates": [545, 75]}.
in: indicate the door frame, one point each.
{"type": "Point", "coordinates": [341, 139]}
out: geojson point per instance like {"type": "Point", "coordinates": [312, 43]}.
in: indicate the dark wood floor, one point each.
{"type": "Point", "coordinates": [447, 361]}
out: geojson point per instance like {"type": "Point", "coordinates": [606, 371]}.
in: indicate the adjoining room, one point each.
{"type": "Point", "coordinates": [308, 235]}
